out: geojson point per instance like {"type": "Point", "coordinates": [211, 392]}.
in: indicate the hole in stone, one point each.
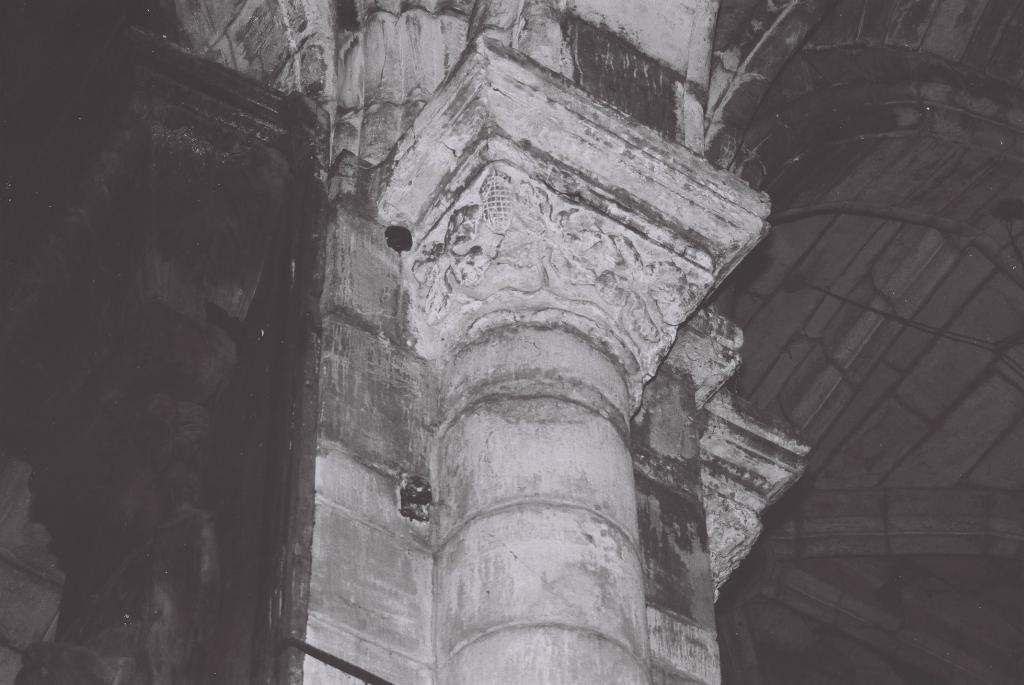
{"type": "Point", "coordinates": [399, 238]}
{"type": "Point", "coordinates": [415, 498]}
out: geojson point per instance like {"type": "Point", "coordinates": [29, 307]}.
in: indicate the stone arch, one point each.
{"type": "Point", "coordinates": [746, 66]}
{"type": "Point", "coordinates": [892, 94]}
{"type": "Point", "coordinates": [770, 56]}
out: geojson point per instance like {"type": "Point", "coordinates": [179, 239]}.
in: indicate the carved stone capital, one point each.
{"type": "Point", "coordinates": [530, 202]}
{"type": "Point", "coordinates": [513, 250]}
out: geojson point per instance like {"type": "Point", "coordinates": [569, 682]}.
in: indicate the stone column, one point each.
{"type": "Point", "coordinates": [555, 250]}
{"type": "Point", "coordinates": [538, 575]}
{"type": "Point", "coordinates": [548, 318]}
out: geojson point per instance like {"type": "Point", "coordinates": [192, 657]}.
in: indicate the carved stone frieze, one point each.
{"type": "Point", "coordinates": [513, 249]}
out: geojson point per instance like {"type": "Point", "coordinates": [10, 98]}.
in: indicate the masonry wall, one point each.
{"type": "Point", "coordinates": [679, 585]}
{"type": "Point", "coordinates": [370, 591]}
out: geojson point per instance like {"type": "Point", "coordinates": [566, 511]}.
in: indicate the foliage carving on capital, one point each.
{"type": "Point", "coordinates": [512, 247]}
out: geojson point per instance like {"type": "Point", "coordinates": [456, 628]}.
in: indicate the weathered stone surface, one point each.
{"type": "Point", "coordinates": [675, 551]}
{"type": "Point", "coordinates": [654, 28]}
{"type": "Point", "coordinates": [665, 448]}
{"type": "Point", "coordinates": [362, 275]}
{"type": "Point", "coordinates": [365, 653]}
{"type": "Point", "coordinates": [568, 656]}
{"type": "Point", "coordinates": [366, 494]}
{"type": "Point", "coordinates": [284, 43]}
{"type": "Point", "coordinates": [391, 61]}
{"type": "Point", "coordinates": [731, 474]}
{"type": "Point", "coordinates": [260, 38]}
{"type": "Point", "coordinates": [571, 570]}
{"type": "Point", "coordinates": [686, 653]}
{"type": "Point", "coordinates": [538, 546]}
{"type": "Point", "coordinates": [835, 113]}
{"type": "Point", "coordinates": [370, 591]}
{"type": "Point", "coordinates": [370, 595]}
{"type": "Point", "coordinates": [147, 329]}
{"type": "Point", "coordinates": [373, 403]}
{"type": "Point", "coordinates": [618, 73]}
{"type": "Point", "coordinates": [588, 478]}
{"type": "Point", "coordinates": [780, 36]}
{"type": "Point", "coordinates": [745, 463]}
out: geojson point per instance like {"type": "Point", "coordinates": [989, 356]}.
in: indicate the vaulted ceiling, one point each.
{"type": "Point", "coordinates": [884, 315]}
{"type": "Point", "coordinates": [884, 318]}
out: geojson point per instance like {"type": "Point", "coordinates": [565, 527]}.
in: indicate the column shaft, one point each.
{"type": "Point", "coordinates": [538, 577]}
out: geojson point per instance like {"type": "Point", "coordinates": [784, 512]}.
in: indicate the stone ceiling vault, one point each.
{"type": "Point", "coordinates": [883, 317]}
